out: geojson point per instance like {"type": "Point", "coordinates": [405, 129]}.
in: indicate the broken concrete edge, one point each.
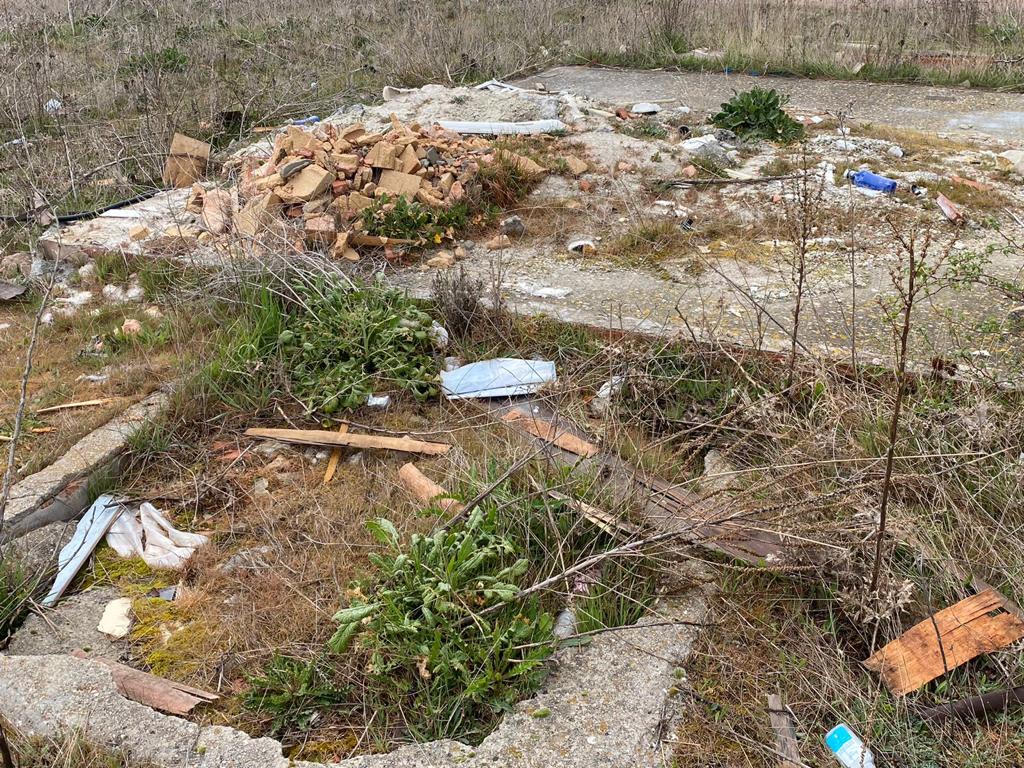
{"type": "Point", "coordinates": [93, 453]}
{"type": "Point", "coordinates": [605, 703]}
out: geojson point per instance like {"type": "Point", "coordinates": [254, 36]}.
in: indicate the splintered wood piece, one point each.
{"type": "Point", "coordinates": [426, 490]}
{"type": "Point", "coordinates": [332, 439]}
{"type": "Point", "coordinates": [548, 432]}
{"type": "Point", "coordinates": [332, 462]}
{"type": "Point", "coordinates": [156, 692]}
{"type": "Point", "coordinates": [603, 520]}
{"type": "Point", "coordinates": [953, 636]}
{"type": "Point", "coordinates": [785, 733]}
{"type": "Point", "coordinates": [80, 404]}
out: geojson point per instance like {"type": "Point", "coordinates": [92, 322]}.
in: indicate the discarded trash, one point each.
{"type": "Point", "coordinates": [164, 593]}
{"type": "Point", "coordinates": [117, 618]}
{"type": "Point", "coordinates": [585, 246]}
{"type": "Point", "coordinates": [10, 291]}
{"type": "Point", "coordinates": [151, 536]}
{"type": "Point", "coordinates": [869, 180]}
{"type": "Point", "coordinates": [53, 107]}
{"type": "Point", "coordinates": [942, 642]}
{"type": "Point", "coordinates": [500, 377]}
{"type": "Point", "coordinates": [550, 433]}
{"type": "Point", "coordinates": [331, 439]}
{"type": "Point", "coordinates": [976, 706]}
{"type": "Point", "coordinates": [156, 692]}
{"type": "Point", "coordinates": [602, 401]}
{"type": "Point", "coordinates": [848, 748]}
{"type": "Point", "coordinates": [894, 151]}
{"type": "Point", "coordinates": [970, 183]}
{"type": "Point", "coordinates": [645, 108]}
{"type": "Point", "coordinates": [499, 86]}
{"type": "Point", "coordinates": [310, 120]}
{"type": "Point", "coordinates": [949, 210]}
{"type": "Point", "coordinates": [565, 624]}
{"type": "Point", "coordinates": [426, 490]}
{"type": "Point", "coordinates": [917, 190]}
{"type": "Point", "coordinates": [90, 530]}
{"type": "Point", "coordinates": [439, 336]}
{"type": "Point", "coordinates": [549, 292]}
{"type": "Point", "coordinates": [504, 128]}
{"type": "Point", "coordinates": [378, 401]}
{"type": "Point", "coordinates": [697, 142]}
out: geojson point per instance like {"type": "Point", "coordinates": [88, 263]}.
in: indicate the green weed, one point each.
{"type": "Point", "coordinates": [758, 114]}
{"type": "Point", "coordinates": [644, 128]}
{"type": "Point", "coordinates": [293, 692]}
{"type": "Point", "coordinates": [400, 218]}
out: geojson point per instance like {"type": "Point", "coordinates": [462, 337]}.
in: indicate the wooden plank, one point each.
{"type": "Point", "coordinates": [332, 462]}
{"type": "Point", "coordinates": [156, 692]}
{"type": "Point", "coordinates": [953, 636]}
{"type": "Point", "coordinates": [603, 520]}
{"type": "Point", "coordinates": [785, 733]}
{"type": "Point", "coordinates": [426, 490]}
{"type": "Point", "coordinates": [550, 433]}
{"type": "Point", "coordinates": [80, 404]}
{"type": "Point", "coordinates": [328, 439]}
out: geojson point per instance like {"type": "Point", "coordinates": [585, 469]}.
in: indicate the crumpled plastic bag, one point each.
{"type": "Point", "coordinates": [500, 377]}
{"type": "Point", "coordinates": [149, 535]}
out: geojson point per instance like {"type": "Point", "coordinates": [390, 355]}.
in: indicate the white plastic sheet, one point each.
{"type": "Point", "coordinates": [150, 535]}
{"type": "Point", "coordinates": [500, 377]}
{"type": "Point", "coordinates": [88, 533]}
{"type": "Point", "coordinates": [503, 128]}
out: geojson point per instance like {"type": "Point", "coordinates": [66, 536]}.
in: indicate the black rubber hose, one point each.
{"type": "Point", "coordinates": [64, 218]}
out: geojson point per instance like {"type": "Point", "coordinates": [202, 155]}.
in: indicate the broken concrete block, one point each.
{"type": "Point", "coordinates": [347, 164]}
{"type": "Point", "coordinates": [576, 166]}
{"type": "Point", "coordinates": [498, 243]}
{"type": "Point", "coordinates": [513, 226]}
{"type": "Point", "coordinates": [320, 230]}
{"type": "Point", "coordinates": [218, 208]}
{"type": "Point", "coordinates": [257, 215]}
{"type": "Point", "coordinates": [409, 160]}
{"type": "Point", "coordinates": [312, 181]}
{"type": "Point", "coordinates": [186, 161]}
{"type": "Point", "coordinates": [523, 163]}
{"type": "Point", "coordinates": [442, 260]}
{"type": "Point", "coordinates": [382, 155]}
{"type": "Point", "coordinates": [398, 183]}
{"type": "Point", "coordinates": [357, 201]}
{"type": "Point", "coordinates": [268, 182]}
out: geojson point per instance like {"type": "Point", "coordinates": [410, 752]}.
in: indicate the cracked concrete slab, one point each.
{"type": "Point", "coordinates": [606, 704]}
{"type": "Point", "coordinates": [925, 108]}
{"type": "Point", "coordinates": [68, 627]}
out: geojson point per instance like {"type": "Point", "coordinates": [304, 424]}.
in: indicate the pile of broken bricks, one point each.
{"type": "Point", "coordinates": [314, 187]}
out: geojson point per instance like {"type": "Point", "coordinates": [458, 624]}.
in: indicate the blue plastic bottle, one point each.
{"type": "Point", "coordinates": [870, 180]}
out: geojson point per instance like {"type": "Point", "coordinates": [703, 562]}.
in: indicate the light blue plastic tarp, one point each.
{"type": "Point", "coordinates": [501, 377]}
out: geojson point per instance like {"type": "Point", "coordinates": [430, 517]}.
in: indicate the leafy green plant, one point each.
{"type": "Point", "coordinates": [400, 218]}
{"type": "Point", "coordinates": [445, 645]}
{"type": "Point", "coordinates": [293, 692]}
{"type": "Point", "coordinates": [337, 346]}
{"type": "Point", "coordinates": [759, 114]}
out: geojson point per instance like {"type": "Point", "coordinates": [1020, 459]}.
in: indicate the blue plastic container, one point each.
{"type": "Point", "coordinates": [869, 180]}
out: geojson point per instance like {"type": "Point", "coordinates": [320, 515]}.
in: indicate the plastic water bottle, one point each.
{"type": "Point", "coordinates": [848, 748]}
{"type": "Point", "coordinates": [870, 180]}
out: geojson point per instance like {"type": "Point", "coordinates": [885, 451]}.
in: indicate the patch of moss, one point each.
{"type": "Point", "coordinates": [131, 575]}
{"type": "Point", "coordinates": [171, 642]}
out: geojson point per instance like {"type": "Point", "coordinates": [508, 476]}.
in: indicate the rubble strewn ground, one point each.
{"type": "Point", "coordinates": [729, 371]}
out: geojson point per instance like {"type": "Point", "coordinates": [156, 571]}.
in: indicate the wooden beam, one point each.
{"type": "Point", "coordinates": [327, 439]}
